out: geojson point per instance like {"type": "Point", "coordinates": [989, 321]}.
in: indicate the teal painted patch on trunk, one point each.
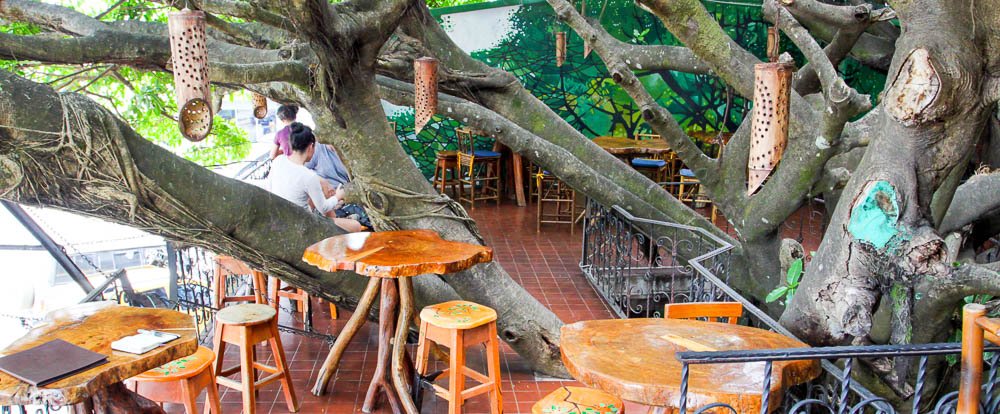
{"type": "Point", "coordinates": [874, 216]}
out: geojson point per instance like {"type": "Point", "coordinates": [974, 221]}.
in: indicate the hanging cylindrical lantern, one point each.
{"type": "Point", "coordinates": [190, 66]}
{"type": "Point", "coordinates": [425, 91]}
{"type": "Point", "coordinates": [259, 106]}
{"type": "Point", "coordinates": [773, 44]}
{"type": "Point", "coordinates": [560, 48]}
{"type": "Point", "coordinates": [769, 132]}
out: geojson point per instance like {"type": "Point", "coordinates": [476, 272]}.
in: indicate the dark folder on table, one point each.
{"type": "Point", "coordinates": [50, 362]}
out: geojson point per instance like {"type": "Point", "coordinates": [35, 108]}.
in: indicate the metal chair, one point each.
{"type": "Point", "coordinates": [477, 168]}
{"type": "Point", "coordinates": [975, 328]}
{"type": "Point", "coordinates": [710, 311]}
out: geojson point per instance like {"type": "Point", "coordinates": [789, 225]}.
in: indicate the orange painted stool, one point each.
{"type": "Point", "coordinates": [225, 266]}
{"type": "Point", "coordinates": [457, 325]}
{"type": "Point", "coordinates": [181, 381]}
{"type": "Point", "coordinates": [246, 325]}
{"type": "Point", "coordinates": [298, 296]}
{"type": "Point", "coordinates": [578, 400]}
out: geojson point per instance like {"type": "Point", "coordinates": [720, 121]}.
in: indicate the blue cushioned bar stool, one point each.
{"type": "Point", "coordinates": [658, 168]}
{"type": "Point", "coordinates": [477, 169]}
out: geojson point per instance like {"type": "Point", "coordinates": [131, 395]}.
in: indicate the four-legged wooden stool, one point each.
{"type": "Point", "coordinates": [578, 400]}
{"type": "Point", "coordinates": [181, 381]}
{"type": "Point", "coordinates": [226, 266]}
{"type": "Point", "coordinates": [245, 326]}
{"type": "Point", "coordinates": [456, 325]}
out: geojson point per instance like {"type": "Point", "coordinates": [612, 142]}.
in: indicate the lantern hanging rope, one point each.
{"type": "Point", "coordinates": [769, 132]}
{"type": "Point", "coordinates": [189, 63]}
{"type": "Point", "coordinates": [560, 48]}
{"type": "Point", "coordinates": [259, 106]}
{"type": "Point", "coordinates": [425, 91]}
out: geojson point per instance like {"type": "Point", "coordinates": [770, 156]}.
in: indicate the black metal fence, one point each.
{"type": "Point", "coordinates": [638, 265]}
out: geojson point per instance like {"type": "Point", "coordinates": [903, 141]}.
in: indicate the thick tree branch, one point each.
{"type": "Point", "coordinates": [655, 115]}
{"type": "Point", "coordinates": [827, 21]}
{"type": "Point", "coordinates": [842, 100]}
{"type": "Point", "coordinates": [972, 200]}
{"type": "Point", "coordinates": [652, 57]}
{"type": "Point", "coordinates": [153, 52]}
{"type": "Point", "coordinates": [698, 30]}
{"type": "Point", "coordinates": [50, 16]}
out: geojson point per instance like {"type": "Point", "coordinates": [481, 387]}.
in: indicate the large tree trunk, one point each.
{"type": "Point", "coordinates": [882, 245]}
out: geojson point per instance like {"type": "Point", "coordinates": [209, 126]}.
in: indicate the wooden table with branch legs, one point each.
{"type": "Point", "coordinates": [95, 326]}
{"type": "Point", "coordinates": [390, 259]}
{"type": "Point", "coordinates": [633, 359]}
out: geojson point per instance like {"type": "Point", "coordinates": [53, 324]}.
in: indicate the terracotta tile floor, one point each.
{"type": "Point", "coordinates": [545, 263]}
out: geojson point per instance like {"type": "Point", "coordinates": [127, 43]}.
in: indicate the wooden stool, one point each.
{"type": "Point", "coordinates": [456, 325]}
{"type": "Point", "coordinates": [302, 300]}
{"type": "Point", "coordinates": [226, 266]}
{"type": "Point", "coordinates": [578, 400]}
{"type": "Point", "coordinates": [560, 196]}
{"type": "Point", "coordinates": [477, 168]}
{"type": "Point", "coordinates": [445, 162]}
{"type": "Point", "coordinates": [181, 381]}
{"type": "Point", "coordinates": [245, 326]}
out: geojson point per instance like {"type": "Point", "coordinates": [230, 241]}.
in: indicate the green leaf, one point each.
{"type": "Point", "coordinates": [788, 296]}
{"type": "Point", "coordinates": [776, 294]}
{"type": "Point", "coordinates": [794, 272]}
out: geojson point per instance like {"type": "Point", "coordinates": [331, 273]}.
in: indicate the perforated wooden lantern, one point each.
{"type": "Point", "coordinates": [772, 90]}
{"type": "Point", "coordinates": [190, 66]}
{"type": "Point", "coordinates": [259, 106]}
{"type": "Point", "coordinates": [425, 91]}
{"type": "Point", "coordinates": [560, 48]}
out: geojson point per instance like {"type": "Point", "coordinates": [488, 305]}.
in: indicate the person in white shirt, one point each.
{"type": "Point", "coordinates": [292, 180]}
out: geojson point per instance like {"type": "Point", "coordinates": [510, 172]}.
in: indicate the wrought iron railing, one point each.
{"type": "Point", "coordinates": [194, 281]}
{"type": "Point", "coordinates": [638, 265]}
{"type": "Point", "coordinates": [913, 391]}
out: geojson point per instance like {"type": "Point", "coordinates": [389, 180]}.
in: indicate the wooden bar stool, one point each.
{"type": "Point", "coordinates": [226, 266]}
{"type": "Point", "coordinates": [446, 172]}
{"type": "Point", "coordinates": [578, 400]}
{"type": "Point", "coordinates": [560, 197]}
{"type": "Point", "coordinates": [477, 168]}
{"type": "Point", "coordinates": [301, 299]}
{"type": "Point", "coordinates": [457, 325]}
{"type": "Point", "coordinates": [181, 381]}
{"type": "Point", "coordinates": [244, 326]}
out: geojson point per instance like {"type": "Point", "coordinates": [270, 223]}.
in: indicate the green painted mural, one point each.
{"type": "Point", "coordinates": [520, 37]}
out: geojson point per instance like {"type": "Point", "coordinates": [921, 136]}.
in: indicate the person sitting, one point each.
{"type": "Point", "coordinates": [291, 180]}
{"type": "Point", "coordinates": [286, 114]}
{"type": "Point", "coordinates": [327, 164]}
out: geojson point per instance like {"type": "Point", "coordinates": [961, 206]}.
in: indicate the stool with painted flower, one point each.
{"type": "Point", "coordinates": [477, 169]}
{"type": "Point", "coordinates": [181, 381]}
{"type": "Point", "coordinates": [578, 400]}
{"type": "Point", "coordinates": [458, 325]}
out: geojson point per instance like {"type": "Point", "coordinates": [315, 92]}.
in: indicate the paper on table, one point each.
{"type": "Point", "coordinates": [142, 342]}
{"type": "Point", "coordinates": [690, 344]}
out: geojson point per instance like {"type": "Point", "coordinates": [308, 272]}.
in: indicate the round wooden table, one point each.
{"type": "Point", "coordinates": [389, 258]}
{"type": "Point", "coordinates": [634, 360]}
{"type": "Point", "coordinates": [628, 147]}
{"type": "Point", "coordinates": [95, 326]}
